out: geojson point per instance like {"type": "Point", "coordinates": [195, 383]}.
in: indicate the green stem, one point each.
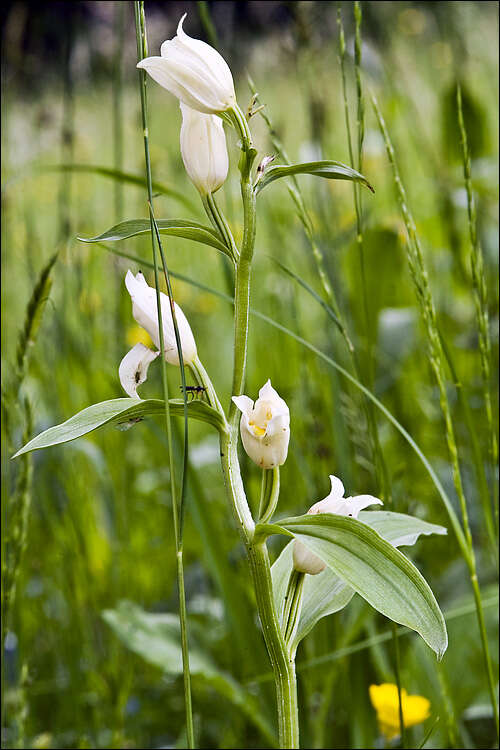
{"type": "Point", "coordinates": [476, 450]}
{"type": "Point", "coordinates": [141, 53]}
{"type": "Point", "coordinates": [480, 300]}
{"type": "Point", "coordinates": [220, 223]}
{"type": "Point", "coordinates": [269, 493]}
{"type": "Point", "coordinates": [283, 666]}
{"type": "Point", "coordinates": [376, 449]}
{"type": "Point", "coordinates": [397, 670]}
{"type": "Point", "coordinates": [484, 641]}
{"type": "Point", "coordinates": [292, 607]}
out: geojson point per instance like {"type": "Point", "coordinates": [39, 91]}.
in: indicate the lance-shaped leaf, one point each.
{"type": "Point", "coordinates": [374, 568]}
{"type": "Point", "coordinates": [121, 412]}
{"type": "Point", "coordinates": [331, 170]}
{"type": "Point", "coordinates": [326, 593]}
{"type": "Point", "coordinates": [188, 230]}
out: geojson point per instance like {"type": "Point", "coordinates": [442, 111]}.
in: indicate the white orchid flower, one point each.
{"type": "Point", "coordinates": [306, 561]}
{"type": "Point", "coordinates": [145, 312]}
{"type": "Point", "coordinates": [133, 368]}
{"type": "Point", "coordinates": [203, 149]}
{"type": "Point", "coordinates": [194, 72]}
{"type": "Point", "coordinates": [265, 427]}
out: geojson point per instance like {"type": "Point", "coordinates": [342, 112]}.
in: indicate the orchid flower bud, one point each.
{"type": "Point", "coordinates": [306, 561]}
{"type": "Point", "coordinates": [203, 149]}
{"type": "Point", "coordinates": [194, 72]}
{"type": "Point", "coordinates": [145, 312]}
{"type": "Point", "coordinates": [265, 427]}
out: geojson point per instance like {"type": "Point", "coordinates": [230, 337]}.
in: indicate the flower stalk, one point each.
{"type": "Point", "coordinates": [269, 493]}
{"type": "Point", "coordinates": [283, 666]}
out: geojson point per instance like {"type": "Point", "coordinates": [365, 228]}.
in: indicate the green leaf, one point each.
{"type": "Point", "coordinates": [326, 593]}
{"type": "Point", "coordinates": [375, 569]}
{"type": "Point", "coordinates": [156, 638]}
{"type": "Point", "coordinates": [122, 412]}
{"type": "Point", "coordinates": [331, 170]}
{"type": "Point", "coordinates": [188, 230]}
{"type": "Point", "coordinates": [398, 528]}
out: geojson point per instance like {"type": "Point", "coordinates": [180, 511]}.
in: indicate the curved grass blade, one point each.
{"type": "Point", "coordinates": [121, 412]}
{"type": "Point", "coordinates": [188, 230]}
{"type": "Point", "coordinates": [331, 170]}
{"type": "Point", "coordinates": [120, 176]}
{"type": "Point", "coordinates": [375, 569]}
{"type": "Point", "coordinates": [326, 307]}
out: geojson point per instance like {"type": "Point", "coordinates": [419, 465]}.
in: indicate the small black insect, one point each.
{"type": "Point", "coordinates": [194, 390]}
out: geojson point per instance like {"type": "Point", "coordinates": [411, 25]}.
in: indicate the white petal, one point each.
{"type": "Point", "coordinates": [133, 369]}
{"type": "Point", "coordinates": [145, 312]}
{"type": "Point", "coordinates": [135, 284]}
{"type": "Point", "coordinates": [337, 505]}
{"type": "Point", "coordinates": [244, 404]}
{"type": "Point", "coordinates": [358, 502]}
{"type": "Point", "coordinates": [337, 487]}
{"type": "Point", "coordinates": [268, 393]}
{"type": "Point", "coordinates": [203, 149]}
{"type": "Point", "coordinates": [278, 424]}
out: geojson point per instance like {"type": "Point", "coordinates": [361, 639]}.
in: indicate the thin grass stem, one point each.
{"type": "Point", "coordinates": [480, 295]}
{"type": "Point", "coordinates": [176, 511]}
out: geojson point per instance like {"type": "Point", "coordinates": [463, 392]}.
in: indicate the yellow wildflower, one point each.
{"type": "Point", "coordinates": [384, 698]}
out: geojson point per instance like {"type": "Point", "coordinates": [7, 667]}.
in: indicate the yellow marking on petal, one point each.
{"type": "Point", "coordinates": [269, 414]}
{"type": "Point", "coordinates": [384, 699]}
{"type": "Point", "coordinates": [257, 430]}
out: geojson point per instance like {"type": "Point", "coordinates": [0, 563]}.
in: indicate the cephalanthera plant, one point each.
{"type": "Point", "coordinates": [333, 552]}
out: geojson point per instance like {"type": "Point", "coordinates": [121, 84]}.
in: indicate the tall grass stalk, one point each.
{"type": "Point", "coordinates": [19, 503]}
{"type": "Point", "coordinates": [378, 458]}
{"type": "Point", "coordinates": [142, 52]}
{"type": "Point", "coordinates": [480, 295]}
{"type": "Point", "coordinates": [303, 215]}
{"type": "Point", "coordinates": [420, 279]}
{"type": "Point", "coordinates": [207, 23]}
{"type": "Point", "coordinates": [383, 481]}
{"type": "Point", "coordinates": [477, 458]}
{"type": "Point", "coordinates": [119, 22]}
{"type": "Point", "coordinates": [16, 539]}
{"type": "Point", "coordinates": [67, 136]}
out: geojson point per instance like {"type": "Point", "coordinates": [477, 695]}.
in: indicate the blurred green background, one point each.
{"type": "Point", "coordinates": [99, 525]}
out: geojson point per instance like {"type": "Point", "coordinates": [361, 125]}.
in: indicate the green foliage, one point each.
{"type": "Point", "coordinates": [123, 413]}
{"type": "Point", "coordinates": [99, 525]}
{"type": "Point", "coordinates": [331, 170]}
{"type": "Point", "coordinates": [326, 593]}
{"type": "Point", "coordinates": [189, 230]}
{"type": "Point", "coordinates": [374, 569]}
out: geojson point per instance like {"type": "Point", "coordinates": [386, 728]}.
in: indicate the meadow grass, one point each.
{"type": "Point", "coordinates": [99, 528]}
